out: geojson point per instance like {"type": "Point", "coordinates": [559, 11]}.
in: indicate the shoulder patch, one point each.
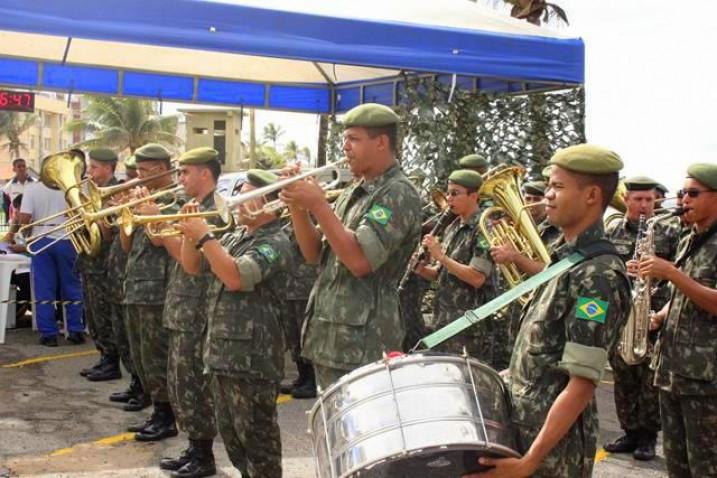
{"type": "Point", "coordinates": [483, 243]}
{"type": "Point", "coordinates": [268, 252]}
{"type": "Point", "coordinates": [589, 308]}
{"type": "Point", "coordinates": [379, 214]}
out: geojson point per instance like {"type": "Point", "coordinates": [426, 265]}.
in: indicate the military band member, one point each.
{"type": "Point", "coordinates": [244, 348]}
{"type": "Point", "coordinates": [475, 162]}
{"type": "Point", "coordinates": [568, 327]}
{"type": "Point", "coordinates": [462, 268]}
{"type": "Point", "coordinates": [362, 247]}
{"type": "Point", "coordinates": [130, 167]}
{"type": "Point", "coordinates": [686, 365]}
{"type": "Point", "coordinates": [97, 283]}
{"type": "Point", "coordinates": [186, 320]}
{"type": "Point", "coordinates": [636, 399]}
{"type": "Point", "coordinates": [145, 292]}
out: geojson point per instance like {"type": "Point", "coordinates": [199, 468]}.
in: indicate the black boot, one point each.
{"type": "Point", "coordinates": [134, 390]}
{"type": "Point", "coordinates": [100, 363]}
{"type": "Point", "coordinates": [645, 451]}
{"type": "Point", "coordinates": [287, 388]}
{"type": "Point", "coordinates": [109, 371]}
{"type": "Point", "coordinates": [627, 443]}
{"type": "Point", "coordinates": [136, 404]}
{"type": "Point", "coordinates": [162, 426]}
{"type": "Point", "coordinates": [176, 463]}
{"type": "Point", "coordinates": [308, 388]}
{"type": "Point", "coordinates": [201, 464]}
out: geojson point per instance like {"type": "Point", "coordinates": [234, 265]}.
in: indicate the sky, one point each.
{"type": "Point", "coordinates": [649, 84]}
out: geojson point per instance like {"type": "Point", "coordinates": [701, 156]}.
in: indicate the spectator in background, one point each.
{"type": "Point", "coordinates": [15, 186]}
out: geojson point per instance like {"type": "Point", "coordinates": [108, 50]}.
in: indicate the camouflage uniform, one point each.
{"type": "Point", "coordinates": [352, 321]}
{"type": "Point", "coordinates": [464, 243]}
{"type": "Point", "coordinates": [186, 320]}
{"type": "Point", "coordinates": [96, 285]}
{"type": "Point", "coordinates": [566, 330]}
{"type": "Point", "coordinates": [548, 233]}
{"type": "Point", "coordinates": [244, 349]}
{"type": "Point", "coordinates": [636, 399]}
{"type": "Point", "coordinates": [116, 270]}
{"type": "Point", "coordinates": [686, 372]}
{"type": "Point", "coordinates": [145, 292]}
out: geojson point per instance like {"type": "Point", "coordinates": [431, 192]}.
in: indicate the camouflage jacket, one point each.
{"type": "Point", "coordinates": [567, 328]}
{"type": "Point", "coordinates": [687, 353]}
{"type": "Point", "coordinates": [465, 244]}
{"type": "Point", "coordinates": [147, 271]}
{"type": "Point", "coordinates": [244, 334]}
{"type": "Point", "coordinates": [184, 309]}
{"type": "Point", "coordinates": [352, 321]}
{"type": "Point", "coordinates": [302, 275]}
{"type": "Point", "coordinates": [548, 233]}
{"type": "Point", "coordinates": [623, 235]}
{"type": "Point", "coordinates": [98, 265]}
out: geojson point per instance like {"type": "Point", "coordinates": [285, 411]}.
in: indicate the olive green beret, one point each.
{"type": "Point", "coordinates": [370, 115]}
{"type": "Point", "coordinates": [103, 154]}
{"type": "Point", "coordinates": [662, 188]}
{"type": "Point", "coordinates": [546, 172]}
{"type": "Point", "coordinates": [705, 173]}
{"type": "Point", "coordinates": [152, 152]}
{"type": "Point", "coordinates": [640, 183]}
{"type": "Point", "coordinates": [587, 159]}
{"type": "Point", "coordinates": [536, 188]}
{"type": "Point", "coordinates": [466, 178]}
{"type": "Point", "coordinates": [130, 162]}
{"type": "Point", "coordinates": [260, 177]}
{"type": "Point", "coordinates": [201, 155]}
{"type": "Point", "coordinates": [473, 161]}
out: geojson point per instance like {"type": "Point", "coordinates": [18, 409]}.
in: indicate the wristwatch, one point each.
{"type": "Point", "coordinates": [204, 239]}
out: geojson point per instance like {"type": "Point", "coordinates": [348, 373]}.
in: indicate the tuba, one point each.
{"type": "Point", "coordinates": [509, 222]}
{"type": "Point", "coordinates": [64, 171]}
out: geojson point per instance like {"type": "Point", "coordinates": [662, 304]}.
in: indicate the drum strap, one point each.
{"type": "Point", "coordinates": [473, 316]}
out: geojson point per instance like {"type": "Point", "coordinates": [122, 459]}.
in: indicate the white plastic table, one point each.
{"type": "Point", "coordinates": [8, 264]}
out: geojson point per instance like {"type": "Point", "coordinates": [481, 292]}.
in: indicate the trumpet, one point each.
{"type": "Point", "coordinates": [97, 195]}
{"type": "Point", "coordinates": [129, 221]}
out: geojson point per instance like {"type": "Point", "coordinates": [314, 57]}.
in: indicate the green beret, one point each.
{"type": "Point", "coordinates": [662, 188]}
{"type": "Point", "coordinates": [640, 183]}
{"type": "Point", "coordinates": [466, 178]}
{"type": "Point", "coordinates": [473, 161]}
{"type": "Point", "coordinates": [587, 159]}
{"type": "Point", "coordinates": [152, 152]}
{"type": "Point", "coordinates": [536, 188]}
{"type": "Point", "coordinates": [260, 177]}
{"type": "Point", "coordinates": [370, 115]}
{"type": "Point", "coordinates": [201, 155]}
{"type": "Point", "coordinates": [130, 162]}
{"type": "Point", "coordinates": [546, 172]}
{"type": "Point", "coordinates": [706, 173]}
{"type": "Point", "coordinates": [103, 154]}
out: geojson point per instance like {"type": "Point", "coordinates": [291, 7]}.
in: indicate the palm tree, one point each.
{"type": "Point", "coordinates": [291, 150]}
{"type": "Point", "coordinates": [272, 133]}
{"type": "Point", "coordinates": [305, 153]}
{"type": "Point", "coordinates": [12, 126]}
{"type": "Point", "coordinates": [125, 123]}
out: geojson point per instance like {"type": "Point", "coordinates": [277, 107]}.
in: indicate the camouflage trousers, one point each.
{"type": "Point", "coordinates": [296, 310]}
{"type": "Point", "coordinates": [97, 313]}
{"type": "Point", "coordinates": [325, 376]}
{"type": "Point", "coordinates": [248, 423]}
{"type": "Point", "coordinates": [189, 388]}
{"type": "Point", "coordinates": [636, 398]}
{"type": "Point", "coordinates": [149, 343]}
{"type": "Point", "coordinates": [119, 331]}
{"type": "Point", "coordinates": [689, 425]}
{"type": "Point", "coordinates": [572, 457]}
{"type": "Point", "coordinates": [410, 303]}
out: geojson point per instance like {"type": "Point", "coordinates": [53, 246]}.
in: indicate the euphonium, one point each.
{"type": "Point", "coordinates": [516, 226]}
{"type": "Point", "coordinates": [634, 342]}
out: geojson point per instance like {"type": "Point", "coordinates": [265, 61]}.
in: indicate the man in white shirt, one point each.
{"type": "Point", "coordinates": [16, 186]}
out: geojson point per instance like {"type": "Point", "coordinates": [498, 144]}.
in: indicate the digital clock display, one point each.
{"type": "Point", "coordinates": [17, 101]}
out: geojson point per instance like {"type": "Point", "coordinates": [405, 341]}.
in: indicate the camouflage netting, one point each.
{"type": "Point", "coordinates": [523, 130]}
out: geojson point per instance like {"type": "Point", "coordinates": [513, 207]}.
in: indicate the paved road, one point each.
{"type": "Point", "coordinates": [53, 423]}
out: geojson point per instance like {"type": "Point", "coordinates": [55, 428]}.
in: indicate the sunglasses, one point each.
{"type": "Point", "coordinates": [692, 192]}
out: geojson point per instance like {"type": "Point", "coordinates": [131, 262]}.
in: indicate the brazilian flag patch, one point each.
{"type": "Point", "coordinates": [589, 308]}
{"type": "Point", "coordinates": [379, 214]}
{"type": "Point", "coordinates": [482, 243]}
{"type": "Point", "coordinates": [268, 252]}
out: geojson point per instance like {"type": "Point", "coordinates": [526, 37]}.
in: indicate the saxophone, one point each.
{"type": "Point", "coordinates": [634, 346]}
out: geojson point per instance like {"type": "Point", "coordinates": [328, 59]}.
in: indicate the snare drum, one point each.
{"type": "Point", "coordinates": [420, 415]}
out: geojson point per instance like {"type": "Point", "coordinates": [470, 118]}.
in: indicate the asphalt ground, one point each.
{"type": "Point", "coordinates": [54, 423]}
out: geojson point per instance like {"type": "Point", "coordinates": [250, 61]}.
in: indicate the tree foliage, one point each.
{"type": "Point", "coordinates": [12, 127]}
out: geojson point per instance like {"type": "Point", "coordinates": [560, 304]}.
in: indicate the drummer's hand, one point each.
{"type": "Point", "coordinates": [507, 467]}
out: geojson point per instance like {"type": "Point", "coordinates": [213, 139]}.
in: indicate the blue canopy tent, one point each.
{"type": "Point", "coordinates": [310, 56]}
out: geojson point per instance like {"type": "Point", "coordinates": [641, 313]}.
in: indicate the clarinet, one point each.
{"type": "Point", "coordinates": [443, 221]}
